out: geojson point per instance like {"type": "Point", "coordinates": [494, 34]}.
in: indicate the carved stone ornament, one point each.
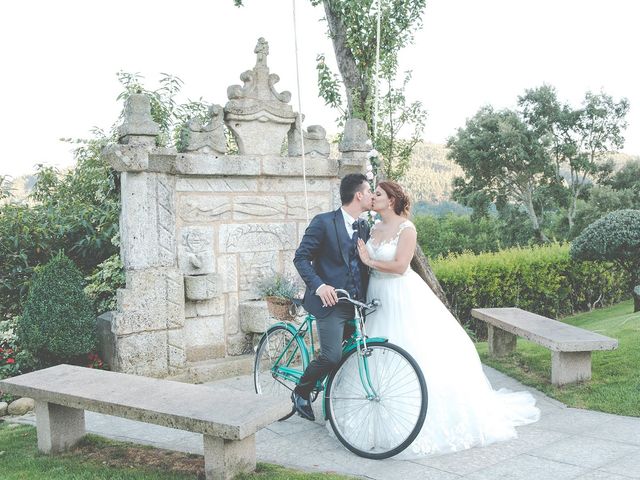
{"type": "Point", "coordinates": [315, 140]}
{"type": "Point", "coordinates": [138, 127]}
{"type": "Point", "coordinates": [208, 137]}
{"type": "Point", "coordinates": [258, 116]}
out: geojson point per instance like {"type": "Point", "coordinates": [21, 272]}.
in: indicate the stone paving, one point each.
{"type": "Point", "coordinates": [566, 443]}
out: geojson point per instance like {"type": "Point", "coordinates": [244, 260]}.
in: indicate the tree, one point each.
{"type": "Point", "coordinates": [578, 141]}
{"type": "Point", "coordinates": [615, 237]}
{"type": "Point", "coordinates": [502, 158]}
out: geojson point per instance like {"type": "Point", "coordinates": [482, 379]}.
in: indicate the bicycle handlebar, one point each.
{"type": "Point", "coordinates": [372, 304]}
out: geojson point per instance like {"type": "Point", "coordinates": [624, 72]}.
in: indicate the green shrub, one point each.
{"type": "Point", "coordinates": [107, 278]}
{"type": "Point", "coordinates": [615, 237]}
{"type": "Point", "coordinates": [58, 323]}
{"type": "Point", "coordinates": [540, 279]}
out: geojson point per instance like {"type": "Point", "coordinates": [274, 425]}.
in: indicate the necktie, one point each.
{"type": "Point", "coordinates": [354, 264]}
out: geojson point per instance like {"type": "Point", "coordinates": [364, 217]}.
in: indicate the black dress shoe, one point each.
{"type": "Point", "coordinates": [302, 406]}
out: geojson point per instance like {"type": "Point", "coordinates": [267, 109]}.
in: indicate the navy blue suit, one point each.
{"type": "Point", "coordinates": [323, 257]}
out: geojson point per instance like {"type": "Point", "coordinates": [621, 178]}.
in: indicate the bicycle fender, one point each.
{"type": "Point", "coordinates": [369, 340]}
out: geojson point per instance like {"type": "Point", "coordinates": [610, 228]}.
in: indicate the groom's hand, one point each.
{"type": "Point", "coordinates": [328, 295]}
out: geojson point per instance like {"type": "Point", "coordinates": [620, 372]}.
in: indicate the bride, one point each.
{"type": "Point", "coordinates": [464, 411]}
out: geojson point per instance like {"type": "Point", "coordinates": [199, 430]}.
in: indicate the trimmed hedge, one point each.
{"type": "Point", "coordinates": [543, 280]}
{"type": "Point", "coordinates": [58, 323]}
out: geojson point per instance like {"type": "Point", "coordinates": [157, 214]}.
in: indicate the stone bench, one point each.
{"type": "Point", "coordinates": [228, 419]}
{"type": "Point", "coordinates": [570, 346]}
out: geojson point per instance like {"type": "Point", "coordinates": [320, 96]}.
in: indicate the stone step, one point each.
{"type": "Point", "coordinates": [209, 370]}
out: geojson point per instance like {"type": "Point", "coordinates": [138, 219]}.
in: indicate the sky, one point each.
{"type": "Point", "coordinates": [59, 60]}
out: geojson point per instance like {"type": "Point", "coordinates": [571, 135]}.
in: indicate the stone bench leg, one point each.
{"type": "Point", "coordinates": [570, 367]}
{"type": "Point", "coordinates": [58, 427]}
{"type": "Point", "coordinates": [501, 343]}
{"type": "Point", "coordinates": [224, 459]}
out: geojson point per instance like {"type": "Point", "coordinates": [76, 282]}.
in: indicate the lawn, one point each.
{"type": "Point", "coordinates": [96, 458]}
{"type": "Point", "coordinates": [615, 383]}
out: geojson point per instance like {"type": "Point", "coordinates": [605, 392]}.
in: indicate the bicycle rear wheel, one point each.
{"type": "Point", "coordinates": [278, 353]}
{"type": "Point", "coordinates": [386, 424]}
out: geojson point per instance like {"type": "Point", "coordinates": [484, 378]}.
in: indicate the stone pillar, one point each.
{"type": "Point", "coordinates": [501, 343]}
{"type": "Point", "coordinates": [570, 367]}
{"type": "Point", "coordinates": [148, 323]}
{"type": "Point", "coordinates": [224, 459]}
{"type": "Point", "coordinates": [58, 427]}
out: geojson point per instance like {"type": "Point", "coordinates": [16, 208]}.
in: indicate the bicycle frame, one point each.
{"type": "Point", "coordinates": [358, 340]}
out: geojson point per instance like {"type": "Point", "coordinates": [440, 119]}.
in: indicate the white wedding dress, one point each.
{"type": "Point", "coordinates": [463, 410]}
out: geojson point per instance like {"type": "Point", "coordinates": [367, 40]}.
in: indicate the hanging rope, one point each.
{"type": "Point", "coordinates": [299, 120]}
{"type": "Point", "coordinates": [377, 80]}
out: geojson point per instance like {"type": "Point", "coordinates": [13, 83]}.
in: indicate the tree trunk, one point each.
{"type": "Point", "coordinates": [542, 238]}
{"type": "Point", "coordinates": [420, 265]}
{"type": "Point", "coordinates": [356, 90]}
{"type": "Point", "coordinates": [636, 299]}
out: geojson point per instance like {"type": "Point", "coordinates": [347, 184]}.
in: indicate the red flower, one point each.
{"type": "Point", "coordinates": [10, 361]}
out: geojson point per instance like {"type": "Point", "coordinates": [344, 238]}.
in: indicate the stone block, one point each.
{"type": "Point", "coordinates": [4, 408]}
{"type": "Point", "coordinates": [147, 221]}
{"type": "Point", "coordinates": [228, 165]}
{"type": "Point", "coordinates": [216, 185]}
{"type": "Point", "coordinates": [142, 354]}
{"type": "Point", "coordinates": [21, 406]}
{"type": "Point", "coordinates": [501, 343]}
{"type": "Point", "coordinates": [58, 427]}
{"type": "Point", "coordinates": [204, 208]}
{"type": "Point", "coordinates": [254, 316]}
{"type": "Point", "coordinates": [259, 207]}
{"type": "Point", "coordinates": [257, 237]}
{"type": "Point", "coordinates": [570, 367]}
{"type": "Point", "coordinates": [204, 338]}
{"type": "Point", "coordinates": [225, 459]}
{"type": "Point", "coordinates": [202, 287]}
{"type": "Point", "coordinates": [297, 208]}
{"type": "Point", "coordinates": [292, 167]}
{"type": "Point", "coordinates": [126, 158]}
{"type": "Point", "coordinates": [195, 251]}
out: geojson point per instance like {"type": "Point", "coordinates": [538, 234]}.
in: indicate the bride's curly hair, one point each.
{"type": "Point", "coordinates": [401, 203]}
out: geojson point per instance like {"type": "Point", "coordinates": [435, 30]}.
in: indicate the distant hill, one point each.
{"type": "Point", "coordinates": [430, 175]}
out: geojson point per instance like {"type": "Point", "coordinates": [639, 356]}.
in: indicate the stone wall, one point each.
{"type": "Point", "coordinates": [200, 229]}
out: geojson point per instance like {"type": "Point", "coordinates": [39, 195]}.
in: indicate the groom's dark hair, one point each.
{"type": "Point", "coordinates": [349, 186]}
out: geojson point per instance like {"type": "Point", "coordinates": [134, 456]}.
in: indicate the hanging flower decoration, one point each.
{"type": "Point", "coordinates": [373, 165]}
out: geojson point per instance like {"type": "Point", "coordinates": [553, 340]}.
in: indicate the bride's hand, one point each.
{"type": "Point", "coordinates": [364, 253]}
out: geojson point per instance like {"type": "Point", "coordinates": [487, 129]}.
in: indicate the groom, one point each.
{"type": "Point", "coordinates": [326, 259]}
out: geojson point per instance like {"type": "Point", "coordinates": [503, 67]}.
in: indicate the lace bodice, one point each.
{"type": "Point", "coordinates": [385, 251]}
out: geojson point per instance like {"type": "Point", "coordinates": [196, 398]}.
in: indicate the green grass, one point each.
{"type": "Point", "coordinates": [615, 383]}
{"type": "Point", "coordinates": [97, 458]}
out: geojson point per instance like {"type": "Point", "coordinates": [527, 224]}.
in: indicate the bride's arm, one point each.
{"type": "Point", "coordinates": [404, 254]}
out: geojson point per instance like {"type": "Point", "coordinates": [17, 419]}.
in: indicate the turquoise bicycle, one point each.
{"type": "Point", "coordinates": [375, 399]}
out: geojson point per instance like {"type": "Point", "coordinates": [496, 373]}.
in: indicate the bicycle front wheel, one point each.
{"type": "Point", "coordinates": [384, 421]}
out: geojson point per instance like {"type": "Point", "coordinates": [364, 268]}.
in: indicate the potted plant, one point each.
{"type": "Point", "coordinates": [279, 291]}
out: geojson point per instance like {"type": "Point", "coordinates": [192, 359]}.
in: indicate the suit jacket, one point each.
{"type": "Point", "coordinates": [323, 257]}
